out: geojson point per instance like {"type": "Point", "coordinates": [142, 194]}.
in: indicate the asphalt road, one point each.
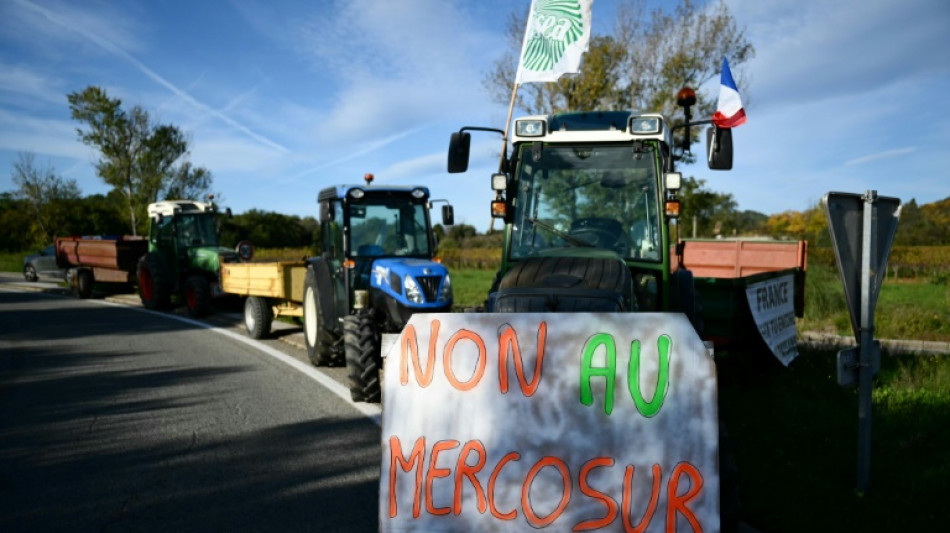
{"type": "Point", "coordinates": [114, 418]}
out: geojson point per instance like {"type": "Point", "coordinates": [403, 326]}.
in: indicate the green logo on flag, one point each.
{"type": "Point", "coordinates": [556, 24]}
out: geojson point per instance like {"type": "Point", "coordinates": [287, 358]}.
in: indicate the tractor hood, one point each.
{"type": "Point", "coordinates": [209, 258]}
{"type": "Point", "coordinates": [413, 282]}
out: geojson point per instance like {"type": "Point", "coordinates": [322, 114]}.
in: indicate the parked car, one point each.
{"type": "Point", "coordinates": [43, 264]}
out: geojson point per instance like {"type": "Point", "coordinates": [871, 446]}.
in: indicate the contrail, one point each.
{"type": "Point", "coordinates": [370, 147]}
{"type": "Point", "coordinates": [881, 155]}
{"type": "Point", "coordinates": [111, 47]}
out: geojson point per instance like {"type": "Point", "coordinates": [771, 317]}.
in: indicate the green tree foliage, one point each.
{"type": "Point", "coordinates": [267, 229]}
{"type": "Point", "coordinates": [641, 65]}
{"type": "Point", "coordinates": [714, 214]}
{"type": "Point", "coordinates": [92, 215]}
{"type": "Point", "coordinates": [143, 160]}
{"type": "Point", "coordinates": [48, 197]}
{"type": "Point", "coordinates": [928, 224]}
{"type": "Point", "coordinates": [810, 225]}
{"type": "Point", "coordinates": [925, 225]}
{"type": "Point", "coordinates": [16, 221]}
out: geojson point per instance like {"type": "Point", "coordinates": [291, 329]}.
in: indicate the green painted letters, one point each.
{"type": "Point", "coordinates": [609, 372]}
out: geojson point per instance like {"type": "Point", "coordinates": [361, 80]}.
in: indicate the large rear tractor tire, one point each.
{"type": "Point", "coordinates": [320, 327]}
{"type": "Point", "coordinates": [363, 359]}
{"type": "Point", "coordinates": [197, 296]}
{"type": "Point", "coordinates": [154, 283]}
{"type": "Point", "coordinates": [258, 316]}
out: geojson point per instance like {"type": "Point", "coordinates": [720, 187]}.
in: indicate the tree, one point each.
{"type": "Point", "coordinates": [642, 65]}
{"type": "Point", "coordinates": [810, 224]}
{"type": "Point", "coordinates": [925, 225]}
{"type": "Point", "coordinates": [14, 217]}
{"type": "Point", "coordinates": [711, 213]}
{"type": "Point", "coordinates": [46, 195]}
{"type": "Point", "coordinates": [138, 157]}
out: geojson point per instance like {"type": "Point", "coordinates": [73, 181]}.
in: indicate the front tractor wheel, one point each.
{"type": "Point", "coordinates": [363, 360]}
{"type": "Point", "coordinates": [154, 284]}
{"type": "Point", "coordinates": [198, 296]}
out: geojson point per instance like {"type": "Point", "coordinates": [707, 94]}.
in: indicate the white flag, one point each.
{"type": "Point", "coordinates": [557, 36]}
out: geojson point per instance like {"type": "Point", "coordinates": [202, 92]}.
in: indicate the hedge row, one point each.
{"type": "Point", "coordinates": [903, 261]}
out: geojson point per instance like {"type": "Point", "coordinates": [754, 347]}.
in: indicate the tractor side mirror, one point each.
{"type": "Point", "coordinates": [448, 215]}
{"type": "Point", "coordinates": [459, 148]}
{"type": "Point", "coordinates": [719, 148]}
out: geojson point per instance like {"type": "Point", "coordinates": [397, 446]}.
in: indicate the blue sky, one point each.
{"type": "Point", "coordinates": [281, 98]}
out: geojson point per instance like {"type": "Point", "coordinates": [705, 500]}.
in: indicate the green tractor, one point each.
{"type": "Point", "coordinates": [184, 257]}
{"type": "Point", "coordinates": [587, 199]}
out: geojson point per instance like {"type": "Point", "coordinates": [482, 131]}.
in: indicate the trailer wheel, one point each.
{"type": "Point", "coordinates": [362, 357]}
{"type": "Point", "coordinates": [258, 316]}
{"type": "Point", "coordinates": [81, 283]}
{"type": "Point", "coordinates": [154, 284]}
{"type": "Point", "coordinates": [198, 296]}
{"type": "Point", "coordinates": [320, 327]}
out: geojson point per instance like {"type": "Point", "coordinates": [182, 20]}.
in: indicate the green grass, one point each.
{"type": "Point", "coordinates": [13, 261]}
{"type": "Point", "coordinates": [918, 309]}
{"type": "Point", "coordinates": [795, 435]}
{"type": "Point", "coordinates": [470, 287]}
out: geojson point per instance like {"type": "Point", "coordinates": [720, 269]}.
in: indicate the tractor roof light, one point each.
{"type": "Point", "coordinates": [418, 194]}
{"type": "Point", "coordinates": [357, 193]}
{"type": "Point", "coordinates": [645, 125]}
{"type": "Point", "coordinates": [686, 97]}
{"type": "Point", "coordinates": [533, 127]}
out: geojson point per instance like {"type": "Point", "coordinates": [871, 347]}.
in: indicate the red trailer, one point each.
{"type": "Point", "coordinates": [99, 259]}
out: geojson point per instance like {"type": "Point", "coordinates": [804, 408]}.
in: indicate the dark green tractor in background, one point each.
{"type": "Point", "coordinates": [184, 257]}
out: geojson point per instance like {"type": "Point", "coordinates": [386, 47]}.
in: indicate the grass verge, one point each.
{"type": "Point", "coordinates": [12, 261]}
{"type": "Point", "coordinates": [795, 435]}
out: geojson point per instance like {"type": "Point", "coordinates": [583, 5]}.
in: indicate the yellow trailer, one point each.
{"type": "Point", "coordinates": [272, 290]}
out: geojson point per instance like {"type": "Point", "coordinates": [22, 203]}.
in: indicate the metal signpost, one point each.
{"type": "Point", "coordinates": [862, 230]}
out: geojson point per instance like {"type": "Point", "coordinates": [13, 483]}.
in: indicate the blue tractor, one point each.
{"type": "Point", "coordinates": [376, 270]}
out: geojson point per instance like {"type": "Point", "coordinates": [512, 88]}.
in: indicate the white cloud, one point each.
{"type": "Point", "coordinates": [816, 50]}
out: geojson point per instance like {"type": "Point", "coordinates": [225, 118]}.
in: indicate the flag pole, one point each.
{"type": "Point", "coordinates": [504, 137]}
{"type": "Point", "coordinates": [504, 144]}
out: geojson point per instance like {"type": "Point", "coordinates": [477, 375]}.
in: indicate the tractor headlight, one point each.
{"type": "Point", "coordinates": [529, 128]}
{"type": "Point", "coordinates": [445, 293]}
{"type": "Point", "coordinates": [413, 292]}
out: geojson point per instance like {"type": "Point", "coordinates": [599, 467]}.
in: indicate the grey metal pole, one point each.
{"type": "Point", "coordinates": [865, 370]}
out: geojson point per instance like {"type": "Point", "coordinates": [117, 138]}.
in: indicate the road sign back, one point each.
{"type": "Point", "coordinates": [845, 213]}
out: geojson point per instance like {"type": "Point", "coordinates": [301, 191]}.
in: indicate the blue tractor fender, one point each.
{"type": "Point", "coordinates": [391, 275]}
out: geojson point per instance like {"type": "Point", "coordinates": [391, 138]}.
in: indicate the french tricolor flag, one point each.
{"type": "Point", "coordinates": [729, 112]}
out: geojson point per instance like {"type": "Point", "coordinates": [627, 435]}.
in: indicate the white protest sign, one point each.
{"type": "Point", "coordinates": [773, 307]}
{"type": "Point", "coordinates": [556, 422]}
